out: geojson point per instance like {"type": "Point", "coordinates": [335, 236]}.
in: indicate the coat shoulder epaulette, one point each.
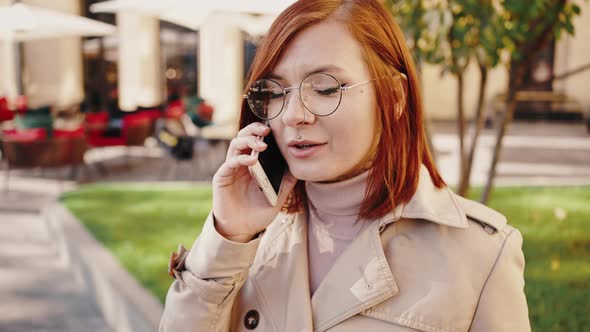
{"type": "Point", "coordinates": [491, 220]}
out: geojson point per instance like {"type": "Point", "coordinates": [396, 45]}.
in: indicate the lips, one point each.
{"type": "Point", "coordinates": [303, 144]}
{"type": "Point", "coordinates": [304, 149]}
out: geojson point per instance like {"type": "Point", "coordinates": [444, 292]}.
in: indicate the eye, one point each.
{"type": "Point", "coordinates": [328, 92]}
{"type": "Point", "coordinates": [274, 95]}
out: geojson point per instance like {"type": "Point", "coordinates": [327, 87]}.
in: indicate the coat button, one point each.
{"type": "Point", "coordinates": [251, 319]}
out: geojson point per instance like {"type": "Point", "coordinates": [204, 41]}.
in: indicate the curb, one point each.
{"type": "Point", "coordinates": [124, 303]}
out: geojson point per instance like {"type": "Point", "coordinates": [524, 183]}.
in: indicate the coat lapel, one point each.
{"type": "Point", "coordinates": [359, 279]}
{"type": "Point", "coordinates": [361, 276]}
{"type": "Point", "coordinates": [281, 276]}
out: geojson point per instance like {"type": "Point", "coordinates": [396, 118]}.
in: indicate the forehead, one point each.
{"type": "Point", "coordinates": [326, 44]}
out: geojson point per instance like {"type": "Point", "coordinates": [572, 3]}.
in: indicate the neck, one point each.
{"type": "Point", "coordinates": [353, 173]}
{"type": "Point", "coordinates": [338, 198]}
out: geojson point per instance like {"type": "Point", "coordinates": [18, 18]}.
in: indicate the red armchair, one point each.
{"type": "Point", "coordinates": [153, 114]}
{"type": "Point", "coordinates": [175, 109]}
{"type": "Point", "coordinates": [206, 111]}
{"type": "Point", "coordinates": [5, 113]}
{"type": "Point", "coordinates": [135, 128]}
{"type": "Point", "coordinates": [32, 148]}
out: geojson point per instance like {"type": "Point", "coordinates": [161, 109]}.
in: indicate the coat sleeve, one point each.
{"type": "Point", "coordinates": [502, 304]}
{"type": "Point", "coordinates": [202, 296]}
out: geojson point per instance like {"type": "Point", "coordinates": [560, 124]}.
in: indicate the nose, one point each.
{"type": "Point", "coordinates": [295, 114]}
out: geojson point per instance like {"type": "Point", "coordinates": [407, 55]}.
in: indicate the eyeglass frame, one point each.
{"type": "Point", "coordinates": [342, 89]}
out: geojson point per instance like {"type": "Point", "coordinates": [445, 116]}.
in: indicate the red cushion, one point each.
{"type": "Point", "coordinates": [153, 114]}
{"type": "Point", "coordinates": [105, 141]}
{"type": "Point", "coordinates": [174, 110]}
{"type": "Point", "coordinates": [135, 119]}
{"type": "Point", "coordinates": [79, 132]}
{"type": "Point", "coordinates": [96, 122]}
{"type": "Point", "coordinates": [26, 135]}
{"type": "Point", "coordinates": [206, 111]}
{"type": "Point", "coordinates": [97, 117]}
{"type": "Point", "coordinates": [6, 114]}
{"type": "Point", "coordinates": [3, 103]}
{"type": "Point", "coordinates": [21, 104]}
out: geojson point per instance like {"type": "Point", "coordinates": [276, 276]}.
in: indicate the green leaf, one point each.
{"type": "Point", "coordinates": [576, 9]}
{"type": "Point", "coordinates": [569, 27]}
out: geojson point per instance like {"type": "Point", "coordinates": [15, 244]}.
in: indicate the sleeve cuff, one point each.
{"type": "Point", "coordinates": [214, 256]}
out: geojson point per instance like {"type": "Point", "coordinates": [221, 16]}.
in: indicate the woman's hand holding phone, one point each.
{"type": "Point", "coordinates": [240, 208]}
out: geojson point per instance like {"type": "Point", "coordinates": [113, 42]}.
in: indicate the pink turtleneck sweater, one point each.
{"type": "Point", "coordinates": [333, 222]}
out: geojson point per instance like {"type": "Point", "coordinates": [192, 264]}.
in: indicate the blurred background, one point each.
{"type": "Point", "coordinates": [114, 115]}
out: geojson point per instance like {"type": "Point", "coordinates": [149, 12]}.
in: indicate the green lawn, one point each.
{"type": "Point", "coordinates": [142, 225]}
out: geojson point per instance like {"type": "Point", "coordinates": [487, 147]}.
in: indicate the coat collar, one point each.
{"type": "Point", "coordinates": [360, 278]}
{"type": "Point", "coordinates": [430, 203]}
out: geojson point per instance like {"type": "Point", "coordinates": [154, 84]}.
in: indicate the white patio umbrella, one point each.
{"type": "Point", "coordinates": [162, 6]}
{"type": "Point", "coordinates": [252, 16]}
{"type": "Point", "coordinates": [21, 22]}
{"type": "Point", "coordinates": [192, 13]}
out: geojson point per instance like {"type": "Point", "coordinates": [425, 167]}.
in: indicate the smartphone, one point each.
{"type": "Point", "coordinates": [269, 170]}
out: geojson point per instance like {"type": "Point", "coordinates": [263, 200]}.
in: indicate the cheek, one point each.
{"type": "Point", "coordinates": [356, 131]}
{"type": "Point", "coordinates": [355, 142]}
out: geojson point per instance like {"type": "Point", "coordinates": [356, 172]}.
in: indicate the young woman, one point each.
{"type": "Point", "coordinates": [365, 235]}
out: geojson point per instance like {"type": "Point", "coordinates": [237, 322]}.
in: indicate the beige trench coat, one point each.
{"type": "Point", "coordinates": [438, 263]}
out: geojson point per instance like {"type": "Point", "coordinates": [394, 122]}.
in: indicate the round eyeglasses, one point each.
{"type": "Point", "coordinates": [320, 94]}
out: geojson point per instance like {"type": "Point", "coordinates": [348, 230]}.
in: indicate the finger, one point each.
{"type": "Point", "coordinates": [229, 167]}
{"type": "Point", "coordinates": [289, 182]}
{"type": "Point", "coordinates": [254, 129]}
{"type": "Point", "coordinates": [239, 144]}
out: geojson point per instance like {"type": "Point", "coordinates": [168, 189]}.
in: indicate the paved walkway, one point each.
{"type": "Point", "coordinates": [533, 154]}
{"type": "Point", "coordinates": [42, 290]}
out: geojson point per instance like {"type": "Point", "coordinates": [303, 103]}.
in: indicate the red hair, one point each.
{"type": "Point", "coordinates": [402, 147]}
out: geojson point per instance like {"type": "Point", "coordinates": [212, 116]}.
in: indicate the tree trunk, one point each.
{"type": "Point", "coordinates": [427, 121]}
{"type": "Point", "coordinates": [562, 76]}
{"type": "Point", "coordinates": [460, 121]}
{"type": "Point", "coordinates": [428, 131]}
{"type": "Point", "coordinates": [511, 103]}
{"type": "Point", "coordinates": [480, 116]}
{"type": "Point", "coordinates": [529, 48]}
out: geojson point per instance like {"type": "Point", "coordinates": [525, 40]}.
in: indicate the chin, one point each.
{"type": "Point", "coordinates": [311, 174]}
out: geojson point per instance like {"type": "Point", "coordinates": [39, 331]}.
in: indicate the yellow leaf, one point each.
{"type": "Point", "coordinates": [560, 213]}
{"type": "Point", "coordinates": [555, 264]}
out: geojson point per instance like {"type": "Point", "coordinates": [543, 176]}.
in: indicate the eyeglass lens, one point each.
{"type": "Point", "coordinates": [320, 93]}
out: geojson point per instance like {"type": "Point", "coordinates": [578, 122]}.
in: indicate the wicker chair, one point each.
{"type": "Point", "coordinates": [31, 149]}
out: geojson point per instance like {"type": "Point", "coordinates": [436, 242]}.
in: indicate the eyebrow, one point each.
{"type": "Point", "coordinates": [321, 69]}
